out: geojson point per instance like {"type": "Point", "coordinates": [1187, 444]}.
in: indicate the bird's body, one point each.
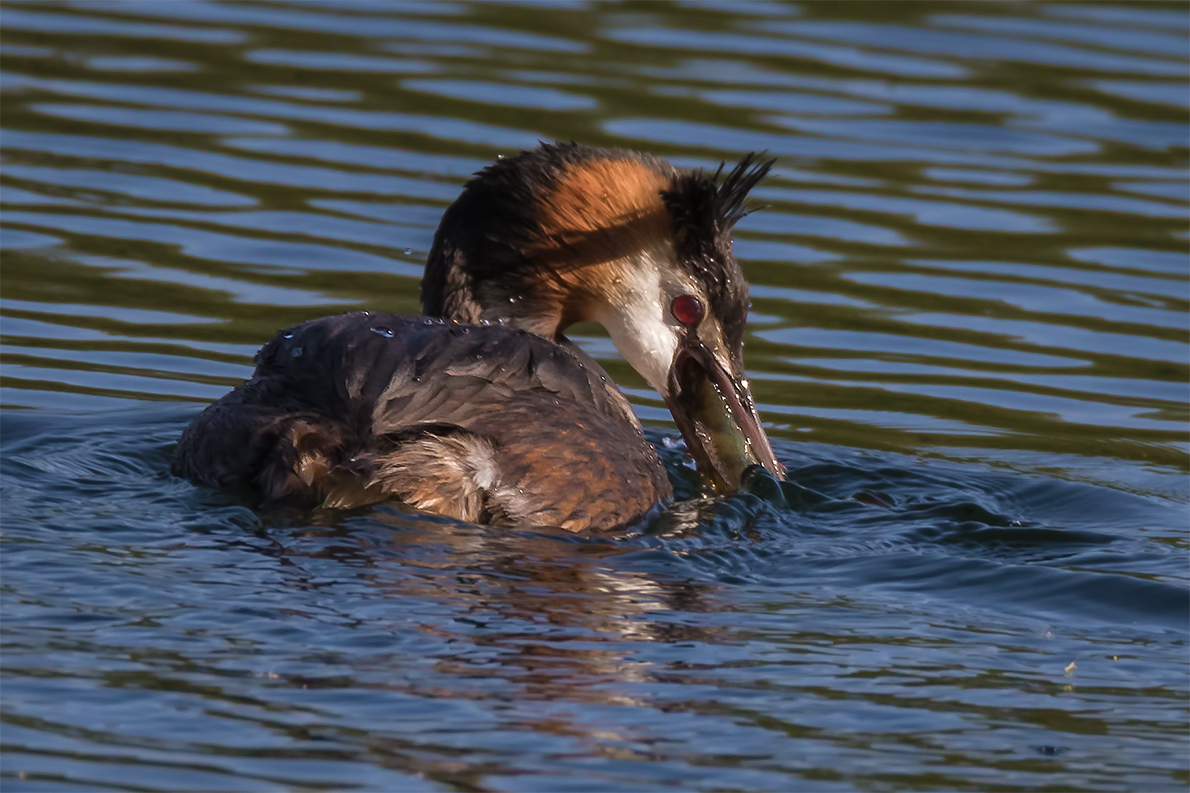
{"type": "Point", "coordinates": [480, 422]}
{"type": "Point", "coordinates": [483, 410]}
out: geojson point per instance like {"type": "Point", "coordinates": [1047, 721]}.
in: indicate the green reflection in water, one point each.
{"type": "Point", "coordinates": [906, 163]}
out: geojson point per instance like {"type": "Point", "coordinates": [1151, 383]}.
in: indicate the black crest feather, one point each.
{"type": "Point", "coordinates": [706, 207]}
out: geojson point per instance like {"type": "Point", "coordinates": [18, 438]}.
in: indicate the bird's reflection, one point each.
{"type": "Point", "coordinates": [559, 616]}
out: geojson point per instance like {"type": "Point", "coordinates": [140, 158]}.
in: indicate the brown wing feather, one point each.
{"type": "Point", "coordinates": [482, 423]}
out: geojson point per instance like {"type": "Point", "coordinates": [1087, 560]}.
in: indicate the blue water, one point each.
{"type": "Point", "coordinates": [969, 343]}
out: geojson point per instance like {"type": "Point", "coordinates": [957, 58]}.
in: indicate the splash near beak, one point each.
{"type": "Point", "coordinates": [717, 417]}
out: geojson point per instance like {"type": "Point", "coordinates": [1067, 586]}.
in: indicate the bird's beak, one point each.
{"type": "Point", "coordinates": [715, 412]}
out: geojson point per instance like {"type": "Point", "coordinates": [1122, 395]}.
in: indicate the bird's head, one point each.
{"type": "Point", "coordinates": [568, 233]}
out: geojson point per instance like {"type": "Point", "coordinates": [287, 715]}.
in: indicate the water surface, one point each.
{"type": "Point", "coordinates": [971, 295]}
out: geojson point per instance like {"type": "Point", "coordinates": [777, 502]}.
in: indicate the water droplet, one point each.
{"type": "Point", "coordinates": [484, 322]}
{"type": "Point", "coordinates": [427, 321]}
{"type": "Point", "coordinates": [296, 352]}
{"type": "Point", "coordinates": [382, 330]}
{"type": "Point", "coordinates": [466, 331]}
{"type": "Point", "coordinates": [417, 378]}
{"type": "Point", "coordinates": [603, 378]}
{"type": "Point", "coordinates": [409, 251]}
{"type": "Point", "coordinates": [289, 335]}
{"type": "Point", "coordinates": [512, 300]}
{"type": "Point", "coordinates": [366, 313]}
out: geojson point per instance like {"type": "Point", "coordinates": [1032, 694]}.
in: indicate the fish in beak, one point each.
{"type": "Point", "coordinates": [714, 410]}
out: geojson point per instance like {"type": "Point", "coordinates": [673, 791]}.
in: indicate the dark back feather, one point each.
{"type": "Point", "coordinates": [335, 392]}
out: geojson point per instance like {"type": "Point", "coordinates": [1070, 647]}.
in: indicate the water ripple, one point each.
{"type": "Point", "coordinates": [968, 341]}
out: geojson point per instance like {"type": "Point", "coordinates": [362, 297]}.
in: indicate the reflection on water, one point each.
{"type": "Point", "coordinates": [969, 338]}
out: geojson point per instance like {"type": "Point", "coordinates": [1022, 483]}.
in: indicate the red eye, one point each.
{"type": "Point", "coordinates": [687, 309]}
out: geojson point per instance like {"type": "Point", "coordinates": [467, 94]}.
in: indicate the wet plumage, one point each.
{"type": "Point", "coordinates": [483, 410]}
{"type": "Point", "coordinates": [483, 423]}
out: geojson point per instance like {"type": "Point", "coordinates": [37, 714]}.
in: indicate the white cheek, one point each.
{"type": "Point", "coordinates": [650, 348]}
{"type": "Point", "coordinates": [638, 325]}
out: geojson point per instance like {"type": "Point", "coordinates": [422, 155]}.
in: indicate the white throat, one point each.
{"type": "Point", "coordinates": [637, 318]}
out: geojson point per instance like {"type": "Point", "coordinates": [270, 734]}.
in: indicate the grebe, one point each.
{"type": "Point", "coordinates": [482, 409]}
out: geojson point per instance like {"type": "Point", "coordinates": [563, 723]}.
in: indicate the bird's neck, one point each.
{"type": "Point", "coordinates": [541, 310]}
